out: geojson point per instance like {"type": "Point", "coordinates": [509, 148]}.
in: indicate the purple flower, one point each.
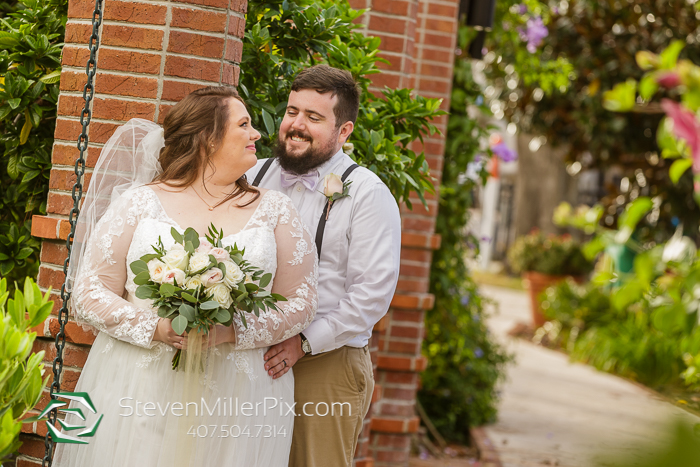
{"type": "Point", "coordinates": [478, 353]}
{"type": "Point", "coordinates": [504, 152]}
{"type": "Point", "coordinates": [534, 34]}
{"type": "Point", "coordinates": [464, 300]}
{"type": "Point", "coordinates": [522, 9]}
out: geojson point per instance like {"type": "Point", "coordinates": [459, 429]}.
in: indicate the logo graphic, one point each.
{"type": "Point", "coordinates": [88, 432]}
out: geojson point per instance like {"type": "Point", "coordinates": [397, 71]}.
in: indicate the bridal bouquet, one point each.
{"type": "Point", "coordinates": [201, 283]}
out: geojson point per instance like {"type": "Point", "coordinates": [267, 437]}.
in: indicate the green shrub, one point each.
{"type": "Point", "coordinates": [21, 372]}
{"type": "Point", "coordinates": [548, 254]}
{"type": "Point", "coordinates": [30, 52]}
{"type": "Point", "coordinates": [284, 37]}
{"type": "Point", "coordinates": [458, 386]}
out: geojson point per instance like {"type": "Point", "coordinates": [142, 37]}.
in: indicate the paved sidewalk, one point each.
{"type": "Point", "coordinates": [555, 413]}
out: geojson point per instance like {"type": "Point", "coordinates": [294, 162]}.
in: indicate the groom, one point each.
{"type": "Point", "coordinates": [358, 239]}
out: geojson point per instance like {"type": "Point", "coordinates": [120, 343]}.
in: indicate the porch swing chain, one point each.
{"type": "Point", "coordinates": [77, 194]}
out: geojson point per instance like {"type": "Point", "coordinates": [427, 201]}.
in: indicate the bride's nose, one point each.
{"type": "Point", "coordinates": [255, 136]}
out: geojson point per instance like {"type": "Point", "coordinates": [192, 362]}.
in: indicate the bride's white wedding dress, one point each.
{"type": "Point", "coordinates": [242, 416]}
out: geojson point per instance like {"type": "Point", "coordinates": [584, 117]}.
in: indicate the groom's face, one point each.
{"type": "Point", "coordinates": [308, 134]}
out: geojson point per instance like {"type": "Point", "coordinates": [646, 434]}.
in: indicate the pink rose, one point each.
{"type": "Point", "coordinates": [220, 254]}
{"type": "Point", "coordinates": [204, 247]}
{"type": "Point", "coordinates": [172, 276]}
{"type": "Point", "coordinates": [212, 277]}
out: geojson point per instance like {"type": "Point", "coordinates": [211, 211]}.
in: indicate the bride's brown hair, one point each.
{"type": "Point", "coordinates": [193, 130]}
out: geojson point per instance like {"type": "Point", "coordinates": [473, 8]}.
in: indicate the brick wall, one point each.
{"type": "Point", "coordinates": [151, 56]}
{"type": "Point", "coordinates": [418, 38]}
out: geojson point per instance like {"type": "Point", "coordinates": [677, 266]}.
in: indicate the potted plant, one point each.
{"type": "Point", "coordinates": [547, 260]}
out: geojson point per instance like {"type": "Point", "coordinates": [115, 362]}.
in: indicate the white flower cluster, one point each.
{"type": "Point", "coordinates": [192, 272]}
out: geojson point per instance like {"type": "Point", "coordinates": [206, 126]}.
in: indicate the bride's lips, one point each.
{"type": "Point", "coordinates": [251, 147]}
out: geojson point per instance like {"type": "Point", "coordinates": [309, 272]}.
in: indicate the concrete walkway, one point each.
{"type": "Point", "coordinates": [555, 413]}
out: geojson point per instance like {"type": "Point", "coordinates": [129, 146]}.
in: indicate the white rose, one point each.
{"type": "Point", "coordinates": [221, 294]}
{"type": "Point", "coordinates": [199, 261]}
{"type": "Point", "coordinates": [156, 268]}
{"type": "Point", "coordinates": [212, 277]}
{"type": "Point", "coordinates": [177, 247]}
{"type": "Point", "coordinates": [204, 247]}
{"type": "Point", "coordinates": [176, 259]}
{"type": "Point", "coordinates": [194, 282]}
{"type": "Point", "coordinates": [174, 275]}
{"type": "Point", "coordinates": [220, 254]}
{"type": "Point", "coordinates": [332, 184]}
{"type": "Point", "coordinates": [234, 275]}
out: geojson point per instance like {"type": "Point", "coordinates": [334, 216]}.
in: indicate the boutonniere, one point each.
{"type": "Point", "coordinates": [334, 189]}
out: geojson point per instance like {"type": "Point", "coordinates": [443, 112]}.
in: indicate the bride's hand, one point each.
{"type": "Point", "coordinates": [165, 333]}
{"type": "Point", "coordinates": [222, 334]}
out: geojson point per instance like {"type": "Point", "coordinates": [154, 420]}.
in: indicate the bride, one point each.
{"type": "Point", "coordinates": [149, 180]}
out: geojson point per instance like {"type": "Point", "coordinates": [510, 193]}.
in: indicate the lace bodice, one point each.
{"type": "Point", "coordinates": [274, 239]}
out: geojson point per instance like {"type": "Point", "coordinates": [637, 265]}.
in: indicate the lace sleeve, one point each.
{"type": "Point", "coordinates": [296, 279]}
{"type": "Point", "coordinates": [102, 274]}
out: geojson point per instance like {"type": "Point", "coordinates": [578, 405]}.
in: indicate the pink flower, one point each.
{"type": "Point", "coordinates": [220, 254]}
{"type": "Point", "coordinates": [686, 127]}
{"type": "Point", "coordinates": [204, 247]}
{"type": "Point", "coordinates": [668, 79]}
{"type": "Point", "coordinates": [172, 276]}
{"type": "Point", "coordinates": [212, 277]}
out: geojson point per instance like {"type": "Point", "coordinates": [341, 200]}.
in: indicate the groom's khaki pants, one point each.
{"type": "Point", "coordinates": [332, 392]}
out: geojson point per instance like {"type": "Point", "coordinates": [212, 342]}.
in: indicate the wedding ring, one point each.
{"type": "Point", "coordinates": [285, 363]}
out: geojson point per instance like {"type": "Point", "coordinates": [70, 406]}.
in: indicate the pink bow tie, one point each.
{"type": "Point", "coordinates": [309, 180]}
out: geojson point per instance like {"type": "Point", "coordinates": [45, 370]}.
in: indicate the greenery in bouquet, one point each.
{"type": "Point", "coordinates": [548, 254]}
{"type": "Point", "coordinates": [201, 284]}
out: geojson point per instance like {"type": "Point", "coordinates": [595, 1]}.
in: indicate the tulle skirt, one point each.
{"type": "Point", "coordinates": [228, 413]}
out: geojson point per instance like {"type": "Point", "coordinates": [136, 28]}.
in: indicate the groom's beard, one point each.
{"type": "Point", "coordinates": [306, 161]}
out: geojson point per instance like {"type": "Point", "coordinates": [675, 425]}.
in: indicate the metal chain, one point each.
{"type": "Point", "coordinates": [77, 194]}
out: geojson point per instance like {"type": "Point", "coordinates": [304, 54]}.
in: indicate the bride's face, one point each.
{"type": "Point", "coordinates": [236, 153]}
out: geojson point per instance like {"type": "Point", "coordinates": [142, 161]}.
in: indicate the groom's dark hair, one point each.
{"type": "Point", "coordinates": [323, 79]}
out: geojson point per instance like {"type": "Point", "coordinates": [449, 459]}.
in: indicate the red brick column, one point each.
{"type": "Point", "coordinates": [151, 55]}
{"type": "Point", "coordinates": [418, 38]}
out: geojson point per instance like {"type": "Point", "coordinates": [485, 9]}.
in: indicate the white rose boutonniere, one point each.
{"type": "Point", "coordinates": [334, 189]}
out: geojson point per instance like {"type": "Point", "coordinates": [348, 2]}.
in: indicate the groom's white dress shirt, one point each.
{"type": "Point", "coordinates": [360, 255]}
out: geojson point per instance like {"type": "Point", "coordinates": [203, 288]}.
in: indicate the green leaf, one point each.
{"type": "Point", "coordinates": [145, 292]}
{"type": "Point", "coordinates": [26, 128]}
{"type": "Point", "coordinates": [187, 311]}
{"type": "Point", "coordinates": [14, 103]}
{"type": "Point", "coordinates": [209, 305]}
{"type": "Point", "coordinates": [622, 97]}
{"type": "Point", "coordinates": [138, 266]}
{"type": "Point", "coordinates": [142, 278]}
{"type": "Point", "coordinates": [167, 290]}
{"type": "Point", "coordinates": [669, 57]}
{"type": "Point", "coordinates": [265, 280]}
{"type": "Point", "coordinates": [179, 324]}
{"type": "Point", "coordinates": [188, 297]}
{"type": "Point", "coordinates": [635, 211]}
{"type": "Point", "coordinates": [223, 315]}
{"type": "Point", "coordinates": [269, 122]}
{"type": "Point", "coordinates": [177, 236]}
{"type": "Point", "coordinates": [648, 86]}
{"type": "Point", "coordinates": [678, 168]}
{"type": "Point", "coordinates": [51, 78]}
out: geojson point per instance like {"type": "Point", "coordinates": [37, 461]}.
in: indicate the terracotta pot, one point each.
{"type": "Point", "coordinates": [538, 283]}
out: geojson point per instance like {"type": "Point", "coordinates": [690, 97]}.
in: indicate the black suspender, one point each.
{"type": "Point", "coordinates": [263, 171]}
{"type": "Point", "coordinates": [324, 214]}
{"type": "Point", "coordinates": [326, 209]}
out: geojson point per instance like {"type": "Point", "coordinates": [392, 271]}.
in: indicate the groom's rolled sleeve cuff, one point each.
{"type": "Point", "coordinates": [320, 336]}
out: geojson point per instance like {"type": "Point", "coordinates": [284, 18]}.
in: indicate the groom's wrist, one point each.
{"type": "Point", "coordinates": [305, 345]}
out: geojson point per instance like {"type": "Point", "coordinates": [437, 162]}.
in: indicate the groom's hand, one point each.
{"type": "Point", "coordinates": [288, 351]}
